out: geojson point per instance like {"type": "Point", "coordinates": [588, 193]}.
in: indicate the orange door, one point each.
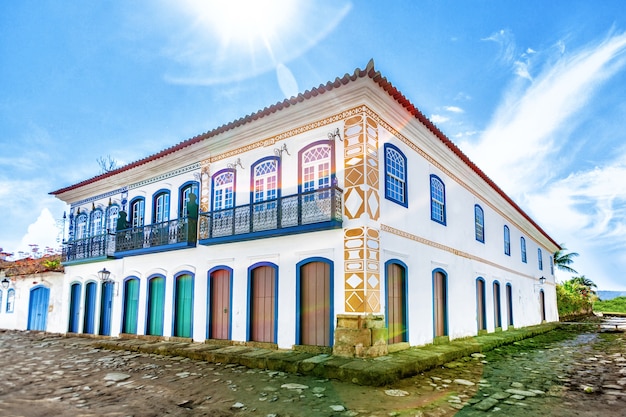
{"type": "Point", "coordinates": [396, 303]}
{"type": "Point", "coordinates": [219, 324]}
{"type": "Point", "coordinates": [315, 304]}
{"type": "Point", "coordinates": [263, 304]}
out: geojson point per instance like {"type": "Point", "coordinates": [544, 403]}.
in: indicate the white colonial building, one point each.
{"type": "Point", "coordinates": [341, 218]}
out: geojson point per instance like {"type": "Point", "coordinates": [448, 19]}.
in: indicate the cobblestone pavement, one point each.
{"type": "Point", "coordinates": [562, 373]}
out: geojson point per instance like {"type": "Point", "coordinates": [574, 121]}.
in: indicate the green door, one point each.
{"type": "Point", "coordinates": [183, 306]}
{"type": "Point", "coordinates": [156, 300]}
{"type": "Point", "coordinates": [131, 305]}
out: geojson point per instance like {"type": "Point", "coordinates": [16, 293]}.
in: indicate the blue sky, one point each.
{"type": "Point", "coordinates": [533, 92]}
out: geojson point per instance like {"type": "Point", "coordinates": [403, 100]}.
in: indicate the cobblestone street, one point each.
{"type": "Point", "coordinates": [560, 374]}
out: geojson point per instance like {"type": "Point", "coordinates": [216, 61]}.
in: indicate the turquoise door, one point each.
{"type": "Point", "coordinates": [74, 321]}
{"type": "Point", "coordinates": [38, 308]}
{"type": "Point", "coordinates": [106, 301]}
{"type": "Point", "coordinates": [156, 300]}
{"type": "Point", "coordinates": [90, 308]}
{"type": "Point", "coordinates": [131, 305]}
{"type": "Point", "coordinates": [183, 308]}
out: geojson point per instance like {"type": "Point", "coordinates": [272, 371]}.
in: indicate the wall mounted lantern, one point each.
{"type": "Point", "coordinates": [5, 283]}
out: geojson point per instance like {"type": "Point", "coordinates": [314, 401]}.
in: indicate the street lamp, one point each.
{"type": "Point", "coordinates": [542, 280]}
{"type": "Point", "coordinates": [105, 276]}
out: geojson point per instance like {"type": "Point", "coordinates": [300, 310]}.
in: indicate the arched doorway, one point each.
{"type": "Point", "coordinates": [38, 308]}
{"type": "Point", "coordinates": [481, 306]}
{"type": "Point", "coordinates": [396, 317]}
{"type": "Point", "coordinates": [497, 305]}
{"type": "Point", "coordinates": [183, 305]}
{"type": "Point", "coordinates": [542, 303]}
{"type": "Point", "coordinates": [262, 302]}
{"type": "Point", "coordinates": [156, 304]}
{"type": "Point", "coordinates": [509, 304]}
{"type": "Point", "coordinates": [90, 308]}
{"type": "Point", "coordinates": [74, 319]}
{"type": "Point", "coordinates": [219, 308]}
{"type": "Point", "coordinates": [106, 302]}
{"type": "Point", "coordinates": [440, 303]}
{"type": "Point", "coordinates": [131, 306]}
{"type": "Point", "coordinates": [314, 303]}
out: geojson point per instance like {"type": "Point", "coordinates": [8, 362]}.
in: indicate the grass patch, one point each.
{"type": "Point", "coordinates": [616, 305]}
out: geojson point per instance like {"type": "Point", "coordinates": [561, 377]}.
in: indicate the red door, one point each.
{"type": "Point", "coordinates": [315, 304]}
{"type": "Point", "coordinates": [396, 303]}
{"type": "Point", "coordinates": [219, 321]}
{"type": "Point", "coordinates": [263, 304]}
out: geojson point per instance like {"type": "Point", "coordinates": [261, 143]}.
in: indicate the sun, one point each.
{"type": "Point", "coordinates": [244, 22]}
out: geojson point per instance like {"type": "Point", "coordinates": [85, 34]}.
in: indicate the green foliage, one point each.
{"type": "Point", "coordinates": [616, 305]}
{"type": "Point", "coordinates": [570, 301]}
{"type": "Point", "coordinates": [575, 296]}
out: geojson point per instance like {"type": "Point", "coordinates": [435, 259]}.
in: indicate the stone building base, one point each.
{"type": "Point", "coordinates": [361, 336]}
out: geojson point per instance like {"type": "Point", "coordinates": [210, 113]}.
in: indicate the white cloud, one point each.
{"type": "Point", "coordinates": [454, 109]}
{"type": "Point", "coordinates": [521, 138]}
{"type": "Point", "coordinates": [44, 232]}
{"type": "Point", "coordinates": [437, 118]}
{"type": "Point", "coordinates": [506, 41]}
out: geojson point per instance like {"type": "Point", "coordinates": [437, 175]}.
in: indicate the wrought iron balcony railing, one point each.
{"type": "Point", "coordinates": [315, 210]}
{"type": "Point", "coordinates": [93, 247]}
{"type": "Point", "coordinates": [160, 236]}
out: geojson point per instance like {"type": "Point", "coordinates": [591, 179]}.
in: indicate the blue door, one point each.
{"type": "Point", "coordinates": [74, 308]}
{"type": "Point", "coordinates": [90, 308]}
{"type": "Point", "coordinates": [106, 302]}
{"type": "Point", "coordinates": [38, 308]}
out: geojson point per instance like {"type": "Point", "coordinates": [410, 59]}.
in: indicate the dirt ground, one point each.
{"type": "Point", "coordinates": [563, 373]}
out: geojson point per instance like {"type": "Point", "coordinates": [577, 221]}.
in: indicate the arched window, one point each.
{"type": "Point", "coordinates": [265, 185]}
{"type": "Point", "coordinates": [507, 241]}
{"type": "Point", "coordinates": [437, 200]}
{"type": "Point", "coordinates": [81, 226]}
{"type": "Point", "coordinates": [137, 207]}
{"type": "Point", "coordinates": [10, 300]}
{"type": "Point", "coordinates": [161, 207]}
{"type": "Point", "coordinates": [523, 248]}
{"type": "Point", "coordinates": [224, 189]}
{"type": "Point", "coordinates": [479, 223]}
{"type": "Point", "coordinates": [96, 223]}
{"type": "Point", "coordinates": [113, 211]}
{"type": "Point", "coordinates": [539, 259]}
{"type": "Point", "coordinates": [395, 175]}
{"type": "Point", "coordinates": [183, 197]}
{"type": "Point", "coordinates": [316, 167]}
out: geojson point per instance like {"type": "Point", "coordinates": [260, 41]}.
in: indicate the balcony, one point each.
{"type": "Point", "coordinates": [156, 237]}
{"type": "Point", "coordinates": [298, 213]}
{"type": "Point", "coordinates": [89, 249]}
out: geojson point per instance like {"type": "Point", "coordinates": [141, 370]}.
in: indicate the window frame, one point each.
{"type": "Point", "coordinates": [479, 223]}
{"type": "Point", "coordinates": [140, 219]}
{"type": "Point", "coordinates": [540, 259]}
{"type": "Point", "coordinates": [523, 249]}
{"type": "Point", "coordinates": [192, 187]}
{"type": "Point", "coordinates": [441, 203]}
{"type": "Point", "coordinates": [302, 166]}
{"type": "Point", "coordinates": [400, 197]}
{"type": "Point", "coordinates": [10, 305]}
{"type": "Point", "coordinates": [161, 204]}
{"type": "Point", "coordinates": [254, 180]}
{"type": "Point", "coordinates": [507, 240]}
{"type": "Point", "coordinates": [228, 198]}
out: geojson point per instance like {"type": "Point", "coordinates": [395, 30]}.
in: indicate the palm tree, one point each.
{"type": "Point", "coordinates": [563, 260]}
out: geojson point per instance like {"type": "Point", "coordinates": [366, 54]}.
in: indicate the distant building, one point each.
{"type": "Point", "coordinates": [31, 295]}
{"type": "Point", "coordinates": [341, 219]}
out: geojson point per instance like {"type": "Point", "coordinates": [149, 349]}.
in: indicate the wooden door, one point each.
{"type": "Point", "coordinates": [509, 304]}
{"type": "Point", "coordinates": [106, 301]}
{"type": "Point", "coordinates": [183, 308]}
{"type": "Point", "coordinates": [90, 308]}
{"type": "Point", "coordinates": [315, 306]}
{"type": "Point", "coordinates": [156, 304]}
{"type": "Point", "coordinates": [497, 305]}
{"type": "Point", "coordinates": [131, 306]}
{"type": "Point", "coordinates": [481, 305]}
{"type": "Point", "coordinates": [542, 302]}
{"type": "Point", "coordinates": [440, 305]}
{"type": "Point", "coordinates": [219, 321]}
{"type": "Point", "coordinates": [38, 308]}
{"type": "Point", "coordinates": [74, 321]}
{"type": "Point", "coordinates": [263, 304]}
{"type": "Point", "coordinates": [396, 303]}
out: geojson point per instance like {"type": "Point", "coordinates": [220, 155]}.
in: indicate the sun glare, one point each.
{"type": "Point", "coordinates": [244, 21]}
